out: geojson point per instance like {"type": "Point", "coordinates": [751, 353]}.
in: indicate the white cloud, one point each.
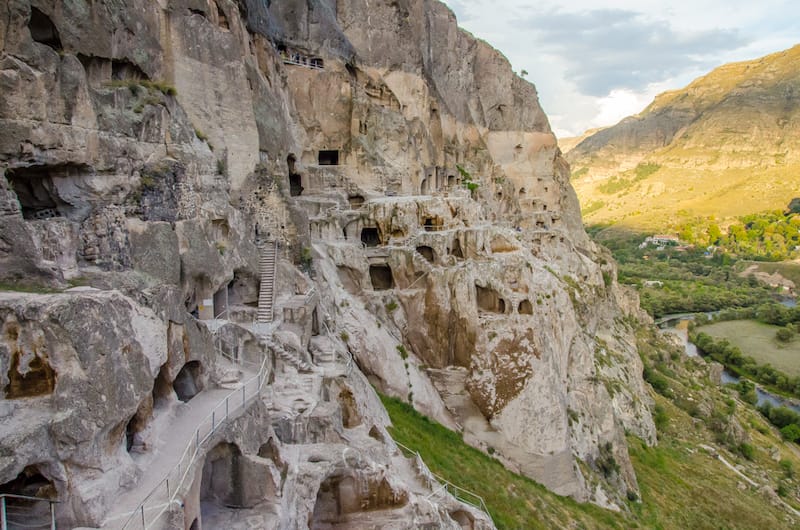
{"type": "Point", "coordinates": [595, 63]}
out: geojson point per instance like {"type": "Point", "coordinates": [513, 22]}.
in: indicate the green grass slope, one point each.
{"type": "Point", "coordinates": [725, 145]}
{"type": "Point", "coordinates": [682, 484]}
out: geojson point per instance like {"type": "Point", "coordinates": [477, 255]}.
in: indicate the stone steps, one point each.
{"type": "Point", "coordinates": [267, 264]}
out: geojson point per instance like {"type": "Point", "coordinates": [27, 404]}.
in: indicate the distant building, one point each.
{"type": "Point", "coordinates": [660, 241]}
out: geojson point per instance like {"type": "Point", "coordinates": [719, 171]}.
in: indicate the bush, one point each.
{"type": "Point", "coordinates": [785, 334]}
{"type": "Point", "coordinates": [344, 336]}
{"type": "Point", "coordinates": [787, 467]}
{"type": "Point", "coordinates": [746, 450]}
{"type": "Point", "coordinates": [402, 350]}
{"type": "Point", "coordinates": [657, 381]}
{"type": "Point", "coordinates": [660, 417]}
{"type": "Point", "coordinates": [791, 433]}
{"type": "Point", "coordinates": [391, 306]}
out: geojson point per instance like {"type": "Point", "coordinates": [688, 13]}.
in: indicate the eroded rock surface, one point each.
{"type": "Point", "coordinates": [428, 242]}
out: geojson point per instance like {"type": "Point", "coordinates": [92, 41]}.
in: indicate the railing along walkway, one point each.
{"type": "Point", "coordinates": [438, 483]}
{"type": "Point", "coordinates": [13, 516]}
{"type": "Point", "coordinates": [166, 492]}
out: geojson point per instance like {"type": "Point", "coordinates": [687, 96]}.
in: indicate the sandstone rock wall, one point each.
{"type": "Point", "coordinates": [425, 223]}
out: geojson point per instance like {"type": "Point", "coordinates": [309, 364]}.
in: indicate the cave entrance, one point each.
{"type": "Point", "coordinates": [38, 378]}
{"type": "Point", "coordinates": [195, 524]}
{"type": "Point", "coordinates": [43, 30]}
{"type": "Point", "coordinates": [37, 189]}
{"type": "Point", "coordinates": [381, 277]}
{"type": "Point", "coordinates": [162, 388]}
{"type": "Point", "coordinates": [295, 185]}
{"type": "Point", "coordinates": [525, 308]}
{"type": "Point", "coordinates": [328, 157]}
{"type": "Point", "coordinates": [455, 250]}
{"type": "Point", "coordinates": [222, 476]}
{"type": "Point", "coordinates": [26, 513]}
{"type": "Point", "coordinates": [370, 236]}
{"type": "Point", "coordinates": [221, 304]}
{"type": "Point", "coordinates": [341, 495]}
{"type": "Point", "coordinates": [522, 192]}
{"type": "Point", "coordinates": [188, 383]}
{"type": "Point", "coordinates": [489, 300]}
{"type": "Point", "coordinates": [451, 182]}
{"type": "Point", "coordinates": [356, 201]}
{"type": "Point", "coordinates": [424, 188]}
{"type": "Point", "coordinates": [432, 224]}
{"type": "Point", "coordinates": [427, 253]}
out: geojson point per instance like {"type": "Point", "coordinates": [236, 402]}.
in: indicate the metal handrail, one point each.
{"type": "Point", "coordinates": [181, 469]}
{"type": "Point", "coordinates": [4, 514]}
{"type": "Point", "coordinates": [476, 500]}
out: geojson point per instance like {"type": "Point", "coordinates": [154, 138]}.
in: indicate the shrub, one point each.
{"type": "Point", "coordinates": [344, 336]}
{"type": "Point", "coordinates": [391, 306]}
{"type": "Point", "coordinates": [791, 432]}
{"type": "Point", "coordinates": [785, 334]}
{"type": "Point", "coordinates": [746, 450]}
{"type": "Point", "coordinates": [787, 467]}
{"type": "Point", "coordinates": [403, 352]}
{"type": "Point", "coordinates": [660, 417]}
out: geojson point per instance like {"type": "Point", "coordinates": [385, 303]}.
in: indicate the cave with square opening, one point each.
{"type": "Point", "coordinates": [432, 224]}
{"type": "Point", "coordinates": [37, 189]}
{"type": "Point", "coordinates": [381, 277]}
{"type": "Point", "coordinates": [370, 236]}
{"type": "Point", "coordinates": [489, 300]}
{"type": "Point", "coordinates": [350, 416]}
{"type": "Point", "coordinates": [328, 157]}
{"type": "Point", "coordinates": [188, 383]}
{"type": "Point", "coordinates": [427, 253]}
{"type": "Point", "coordinates": [525, 308]}
{"type": "Point", "coordinates": [452, 183]}
{"type": "Point", "coordinates": [43, 30]}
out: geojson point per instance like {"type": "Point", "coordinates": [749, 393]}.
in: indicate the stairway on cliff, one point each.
{"type": "Point", "coordinates": [267, 265]}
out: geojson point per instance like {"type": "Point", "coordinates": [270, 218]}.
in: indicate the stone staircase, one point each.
{"type": "Point", "coordinates": [293, 360]}
{"type": "Point", "coordinates": [267, 264]}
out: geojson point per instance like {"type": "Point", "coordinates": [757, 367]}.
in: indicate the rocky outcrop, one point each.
{"type": "Point", "coordinates": [429, 244]}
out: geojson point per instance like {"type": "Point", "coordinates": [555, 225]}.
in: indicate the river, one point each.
{"type": "Point", "coordinates": [678, 325]}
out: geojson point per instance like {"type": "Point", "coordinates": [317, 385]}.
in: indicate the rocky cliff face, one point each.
{"type": "Point", "coordinates": [725, 140]}
{"type": "Point", "coordinates": [425, 226]}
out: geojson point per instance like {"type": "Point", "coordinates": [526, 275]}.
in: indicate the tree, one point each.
{"type": "Point", "coordinates": [785, 334]}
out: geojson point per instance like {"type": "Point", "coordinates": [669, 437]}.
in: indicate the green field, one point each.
{"type": "Point", "coordinates": [758, 341]}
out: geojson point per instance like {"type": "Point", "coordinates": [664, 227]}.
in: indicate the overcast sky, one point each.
{"type": "Point", "coordinates": [595, 62]}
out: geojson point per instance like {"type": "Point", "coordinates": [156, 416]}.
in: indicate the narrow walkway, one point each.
{"type": "Point", "coordinates": [162, 459]}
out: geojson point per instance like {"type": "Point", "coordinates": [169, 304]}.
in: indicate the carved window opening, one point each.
{"type": "Point", "coordinates": [455, 249]}
{"type": "Point", "coordinates": [370, 236]}
{"type": "Point", "coordinates": [525, 308]}
{"type": "Point", "coordinates": [381, 277]}
{"type": "Point", "coordinates": [43, 30]}
{"type": "Point", "coordinates": [427, 253]}
{"type": "Point", "coordinates": [188, 383]}
{"type": "Point", "coordinates": [356, 201]}
{"type": "Point", "coordinates": [522, 192]}
{"type": "Point", "coordinates": [489, 300]}
{"type": "Point", "coordinates": [452, 182]}
{"type": "Point", "coordinates": [329, 157]}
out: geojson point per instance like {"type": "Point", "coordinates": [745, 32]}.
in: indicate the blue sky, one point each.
{"type": "Point", "coordinates": [597, 62]}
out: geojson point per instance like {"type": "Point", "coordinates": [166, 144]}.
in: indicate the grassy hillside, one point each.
{"type": "Point", "coordinates": [725, 145]}
{"type": "Point", "coordinates": [682, 483]}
